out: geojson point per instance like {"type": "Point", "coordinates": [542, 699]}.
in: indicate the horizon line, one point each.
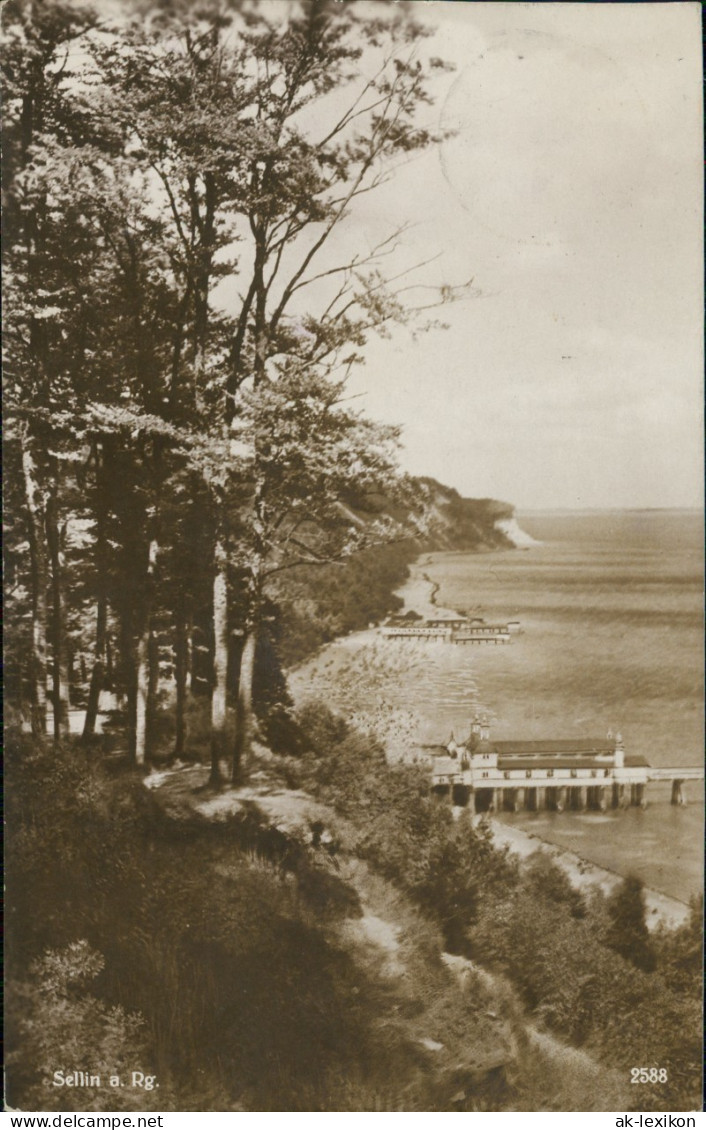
{"type": "Point", "coordinates": [607, 509]}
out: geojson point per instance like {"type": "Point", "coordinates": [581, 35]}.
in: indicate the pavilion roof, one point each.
{"type": "Point", "coordinates": [557, 746]}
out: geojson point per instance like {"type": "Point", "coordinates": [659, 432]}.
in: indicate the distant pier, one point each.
{"type": "Point", "coordinates": [450, 627]}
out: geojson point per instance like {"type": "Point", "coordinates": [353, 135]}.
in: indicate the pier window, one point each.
{"type": "Point", "coordinates": [506, 773]}
{"type": "Point", "coordinates": [574, 773]}
{"type": "Point", "coordinates": [484, 774]}
{"type": "Point", "coordinates": [550, 772]}
{"type": "Point", "coordinates": [528, 772]}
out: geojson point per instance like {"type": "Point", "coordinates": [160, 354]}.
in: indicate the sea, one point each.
{"type": "Point", "coordinates": [612, 639]}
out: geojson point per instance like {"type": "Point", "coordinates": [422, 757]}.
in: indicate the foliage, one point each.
{"type": "Point", "coordinates": [235, 977]}
{"type": "Point", "coordinates": [64, 1028]}
{"type": "Point", "coordinates": [583, 990]}
{"type": "Point", "coordinates": [627, 931]}
{"type": "Point", "coordinates": [212, 966]}
{"type": "Point", "coordinates": [152, 159]}
{"type": "Point", "coordinates": [185, 471]}
{"type": "Point", "coordinates": [464, 523]}
{"type": "Point", "coordinates": [319, 604]}
{"type": "Point", "coordinates": [679, 953]}
{"type": "Point", "coordinates": [230, 938]}
{"type": "Point", "coordinates": [552, 884]}
{"type": "Point", "coordinates": [447, 867]}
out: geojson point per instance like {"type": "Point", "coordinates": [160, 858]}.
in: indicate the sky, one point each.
{"type": "Point", "coordinates": [572, 194]}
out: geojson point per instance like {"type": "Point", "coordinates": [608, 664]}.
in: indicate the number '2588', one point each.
{"type": "Point", "coordinates": [648, 1074]}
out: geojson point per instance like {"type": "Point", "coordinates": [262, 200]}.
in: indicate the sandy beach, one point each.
{"type": "Point", "coordinates": [419, 591]}
{"type": "Point", "coordinates": [378, 686]}
{"type": "Point", "coordinates": [661, 908]}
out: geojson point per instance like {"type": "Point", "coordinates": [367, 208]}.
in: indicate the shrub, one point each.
{"type": "Point", "coordinates": [447, 866]}
{"type": "Point", "coordinates": [627, 931]}
{"type": "Point", "coordinates": [576, 985]}
{"type": "Point", "coordinates": [679, 953]}
{"type": "Point", "coordinates": [60, 1026]}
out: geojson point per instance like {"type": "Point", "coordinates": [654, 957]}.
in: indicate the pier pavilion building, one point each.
{"type": "Point", "coordinates": [557, 773]}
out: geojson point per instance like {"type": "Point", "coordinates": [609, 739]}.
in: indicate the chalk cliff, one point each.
{"type": "Point", "coordinates": [511, 529]}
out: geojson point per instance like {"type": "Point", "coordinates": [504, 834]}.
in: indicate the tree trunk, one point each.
{"type": "Point", "coordinates": [38, 553]}
{"type": "Point", "coordinates": [182, 664]}
{"type": "Point", "coordinates": [109, 665]}
{"type": "Point", "coordinates": [220, 661]}
{"type": "Point", "coordinates": [152, 686]}
{"type": "Point", "coordinates": [244, 711]}
{"type": "Point", "coordinates": [59, 644]}
{"type": "Point", "coordinates": [144, 653]}
{"type": "Point", "coordinates": [141, 697]}
{"type": "Point", "coordinates": [98, 673]}
{"type": "Point", "coordinates": [102, 660]}
{"type": "Point", "coordinates": [127, 672]}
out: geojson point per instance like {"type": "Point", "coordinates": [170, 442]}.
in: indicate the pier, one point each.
{"type": "Point", "coordinates": [481, 637]}
{"type": "Point", "coordinates": [450, 627]}
{"type": "Point", "coordinates": [569, 774]}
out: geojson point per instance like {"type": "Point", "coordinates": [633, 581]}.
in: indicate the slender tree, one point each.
{"type": "Point", "coordinates": [316, 478]}
{"type": "Point", "coordinates": [72, 257]}
{"type": "Point", "coordinates": [627, 932]}
{"type": "Point", "coordinates": [36, 44]}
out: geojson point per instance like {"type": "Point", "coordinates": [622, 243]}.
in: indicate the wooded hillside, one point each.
{"type": "Point", "coordinates": [181, 316]}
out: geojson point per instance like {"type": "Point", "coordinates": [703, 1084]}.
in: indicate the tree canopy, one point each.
{"type": "Point", "coordinates": [183, 309]}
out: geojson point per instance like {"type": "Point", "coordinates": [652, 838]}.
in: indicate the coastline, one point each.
{"type": "Point", "coordinates": [662, 909]}
{"type": "Point", "coordinates": [351, 668]}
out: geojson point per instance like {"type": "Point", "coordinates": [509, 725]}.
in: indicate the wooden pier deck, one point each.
{"type": "Point", "coordinates": [557, 789]}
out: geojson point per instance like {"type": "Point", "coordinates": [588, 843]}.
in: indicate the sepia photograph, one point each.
{"type": "Point", "coordinates": [353, 556]}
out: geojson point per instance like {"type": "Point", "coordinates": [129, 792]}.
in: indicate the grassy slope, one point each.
{"type": "Point", "coordinates": [267, 974]}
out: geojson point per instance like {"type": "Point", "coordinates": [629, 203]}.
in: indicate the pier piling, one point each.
{"type": "Point", "coordinates": [460, 795]}
{"type": "Point", "coordinates": [678, 792]}
{"type": "Point", "coordinates": [596, 798]}
{"type": "Point", "coordinates": [576, 796]}
{"type": "Point", "coordinates": [510, 801]}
